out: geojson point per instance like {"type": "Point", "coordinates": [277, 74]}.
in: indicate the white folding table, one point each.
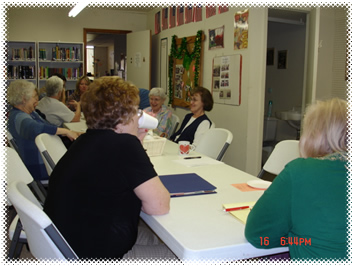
{"type": "Point", "coordinates": [197, 228]}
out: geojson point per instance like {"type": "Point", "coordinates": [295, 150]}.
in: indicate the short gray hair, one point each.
{"type": "Point", "coordinates": [159, 92]}
{"type": "Point", "coordinates": [53, 86]}
{"type": "Point", "coordinates": [20, 91]}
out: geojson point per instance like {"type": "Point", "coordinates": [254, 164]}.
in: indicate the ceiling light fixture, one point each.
{"type": "Point", "coordinates": [77, 9]}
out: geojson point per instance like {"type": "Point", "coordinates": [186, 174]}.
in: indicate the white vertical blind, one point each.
{"type": "Point", "coordinates": [90, 56]}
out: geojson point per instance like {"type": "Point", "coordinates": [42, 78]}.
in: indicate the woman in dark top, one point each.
{"type": "Point", "coordinates": [195, 124]}
{"type": "Point", "coordinates": [25, 124]}
{"type": "Point", "coordinates": [99, 187]}
{"type": "Point", "coordinates": [75, 98]}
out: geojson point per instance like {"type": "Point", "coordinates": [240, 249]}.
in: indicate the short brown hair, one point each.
{"type": "Point", "coordinates": [324, 128]}
{"type": "Point", "coordinates": [109, 101]}
{"type": "Point", "coordinates": [206, 97]}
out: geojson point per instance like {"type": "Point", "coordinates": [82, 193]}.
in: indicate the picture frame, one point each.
{"type": "Point", "coordinates": [182, 78]}
{"type": "Point", "coordinates": [283, 59]}
{"type": "Point", "coordinates": [270, 56]}
{"type": "Point", "coordinates": [216, 38]}
{"type": "Point", "coordinates": [227, 79]}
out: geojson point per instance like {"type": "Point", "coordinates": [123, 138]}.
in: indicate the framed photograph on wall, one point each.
{"type": "Point", "coordinates": [226, 81]}
{"type": "Point", "coordinates": [282, 59]}
{"type": "Point", "coordinates": [216, 38]}
{"type": "Point", "coordinates": [270, 56]}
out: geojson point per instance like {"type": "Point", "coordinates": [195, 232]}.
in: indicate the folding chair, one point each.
{"type": "Point", "coordinates": [284, 152]}
{"type": "Point", "coordinates": [44, 239]}
{"type": "Point", "coordinates": [51, 149]}
{"type": "Point", "coordinates": [215, 142]}
{"type": "Point", "coordinates": [17, 171]}
{"type": "Point", "coordinates": [175, 123]}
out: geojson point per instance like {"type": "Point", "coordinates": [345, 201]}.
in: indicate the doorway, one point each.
{"type": "Point", "coordinates": [285, 75]}
{"type": "Point", "coordinates": [108, 50]}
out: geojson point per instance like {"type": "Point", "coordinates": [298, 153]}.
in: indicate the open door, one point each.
{"type": "Point", "coordinates": [139, 59]}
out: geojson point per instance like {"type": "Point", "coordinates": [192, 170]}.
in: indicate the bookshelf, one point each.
{"type": "Point", "coordinates": [60, 57]}
{"type": "Point", "coordinates": [21, 59]}
{"type": "Point", "coordinates": [37, 61]}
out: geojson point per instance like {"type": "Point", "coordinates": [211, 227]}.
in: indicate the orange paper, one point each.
{"type": "Point", "coordinates": [244, 187]}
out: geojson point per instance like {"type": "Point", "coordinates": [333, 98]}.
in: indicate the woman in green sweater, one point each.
{"type": "Point", "coordinates": [305, 207]}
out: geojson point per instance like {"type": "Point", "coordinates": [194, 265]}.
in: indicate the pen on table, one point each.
{"type": "Point", "coordinates": [192, 193]}
{"type": "Point", "coordinates": [237, 208]}
{"type": "Point", "coordinates": [195, 157]}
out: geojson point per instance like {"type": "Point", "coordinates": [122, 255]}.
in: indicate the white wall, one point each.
{"type": "Point", "coordinates": [332, 54]}
{"type": "Point", "coordinates": [244, 121]}
{"type": "Point", "coordinates": [53, 24]}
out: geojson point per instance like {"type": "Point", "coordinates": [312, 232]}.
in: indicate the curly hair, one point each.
{"type": "Point", "coordinates": [20, 91]}
{"type": "Point", "coordinates": [109, 101]}
{"type": "Point", "coordinates": [324, 128]}
{"type": "Point", "coordinates": [206, 97]}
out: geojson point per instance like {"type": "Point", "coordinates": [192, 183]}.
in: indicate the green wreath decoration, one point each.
{"type": "Point", "coordinates": [182, 52]}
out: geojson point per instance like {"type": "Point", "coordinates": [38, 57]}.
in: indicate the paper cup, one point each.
{"type": "Point", "coordinates": [147, 121]}
{"type": "Point", "coordinates": [183, 147]}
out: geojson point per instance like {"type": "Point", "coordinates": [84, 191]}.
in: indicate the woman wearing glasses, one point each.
{"type": "Point", "coordinates": [99, 187]}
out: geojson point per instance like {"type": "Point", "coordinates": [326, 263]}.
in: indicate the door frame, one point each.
{"type": "Point", "coordinates": [99, 31]}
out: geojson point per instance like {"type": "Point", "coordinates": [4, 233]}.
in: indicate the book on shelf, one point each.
{"type": "Point", "coordinates": [70, 73]}
{"type": "Point", "coordinates": [22, 54]}
{"type": "Point", "coordinates": [66, 54]}
{"type": "Point", "coordinates": [20, 72]}
{"type": "Point", "coordinates": [42, 54]}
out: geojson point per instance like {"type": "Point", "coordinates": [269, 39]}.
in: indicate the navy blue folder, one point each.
{"type": "Point", "coordinates": [187, 185]}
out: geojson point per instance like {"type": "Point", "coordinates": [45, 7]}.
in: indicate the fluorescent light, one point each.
{"type": "Point", "coordinates": [90, 46]}
{"type": "Point", "coordinates": [77, 9]}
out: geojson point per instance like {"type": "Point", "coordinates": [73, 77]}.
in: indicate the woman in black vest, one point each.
{"type": "Point", "coordinates": [194, 125]}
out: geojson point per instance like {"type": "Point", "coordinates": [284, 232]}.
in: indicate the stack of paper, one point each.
{"type": "Point", "coordinates": [240, 214]}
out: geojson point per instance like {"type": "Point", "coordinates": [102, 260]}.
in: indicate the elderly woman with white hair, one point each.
{"type": "Point", "coordinates": [305, 206]}
{"type": "Point", "coordinates": [55, 111]}
{"type": "Point", "coordinates": [25, 124]}
{"type": "Point", "coordinates": [157, 97]}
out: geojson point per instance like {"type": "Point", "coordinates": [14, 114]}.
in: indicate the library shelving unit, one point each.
{"type": "Point", "coordinates": [60, 57]}
{"type": "Point", "coordinates": [21, 61]}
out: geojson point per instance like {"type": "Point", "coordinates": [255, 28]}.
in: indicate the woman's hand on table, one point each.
{"type": "Point", "coordinates": [73, 104]}
{"type": "Point", "coordinates": [72, 135]}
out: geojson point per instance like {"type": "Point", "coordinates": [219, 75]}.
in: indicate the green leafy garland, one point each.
{"type": "Point", "coordinates": [182, 52]}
